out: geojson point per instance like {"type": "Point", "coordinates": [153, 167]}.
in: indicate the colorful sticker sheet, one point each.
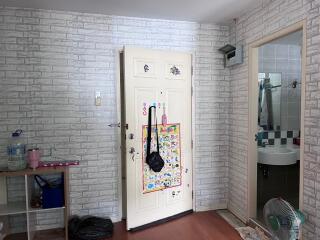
{"type": "Point", "coordinates": [170, 151]}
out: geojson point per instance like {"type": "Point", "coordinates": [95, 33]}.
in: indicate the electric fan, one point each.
{"type": "Point", "coordinates": [282, 220]}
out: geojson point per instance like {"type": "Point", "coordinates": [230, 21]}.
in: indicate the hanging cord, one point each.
{"type": "Point", "coordinates": [150, 129]}
{"type": "Point", "coordinates": [155, 116]}
{"type": "Point", "coordinates": [235, 30]}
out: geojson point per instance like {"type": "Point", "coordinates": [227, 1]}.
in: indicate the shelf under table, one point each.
{"type": "Point", "coordinates": [12, 208]}
{"type": "Point", "coordinates": [39, 171]}
{"type": "Point", "coordinates": [31, 210]}
{"type": "Point", "coordinates": [52, 234]}
{"type": "Point", "coordinates": [17, 236]}
{"type": "Point", "coordinates": [15, 208]}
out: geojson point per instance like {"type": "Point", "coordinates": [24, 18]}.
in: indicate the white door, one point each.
{"type": "Point", "coordinates": [162, 79]}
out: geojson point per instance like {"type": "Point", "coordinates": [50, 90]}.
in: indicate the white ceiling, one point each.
{"type": "Point", "coordinates": [205, 11]}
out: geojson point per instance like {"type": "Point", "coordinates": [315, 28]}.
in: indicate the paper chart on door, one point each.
{"type": "Point", "coordinates": [170, 150]}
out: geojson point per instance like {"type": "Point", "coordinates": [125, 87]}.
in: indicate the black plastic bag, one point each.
{"type": "Point", "coordinates": [90, 228]}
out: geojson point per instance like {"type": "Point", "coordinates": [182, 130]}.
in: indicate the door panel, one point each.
{"type": "Point", "coordinates": [176, 71]}
{"type": "Point", "coordinates": [145, 68]}
{"type": "Point", "coordinates": [162, 79]}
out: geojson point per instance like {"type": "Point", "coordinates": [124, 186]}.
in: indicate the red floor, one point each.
{"type": "Point", "coordinates": [196, 226]}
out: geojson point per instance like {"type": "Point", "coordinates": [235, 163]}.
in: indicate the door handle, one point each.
{"type": "Point", "coordinates": [114, 125]}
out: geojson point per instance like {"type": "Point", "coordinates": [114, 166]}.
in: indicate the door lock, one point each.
{"type": "Point", "coordinates": [131, 136]}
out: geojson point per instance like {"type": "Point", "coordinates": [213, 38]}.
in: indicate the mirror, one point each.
{"type": "Point", "coordinates": [280, 83]}
{"type": "Point", "coordinates": [269, 112]}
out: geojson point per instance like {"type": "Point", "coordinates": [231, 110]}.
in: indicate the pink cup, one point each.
{"type": "Point", "coordinates": [33, 158]}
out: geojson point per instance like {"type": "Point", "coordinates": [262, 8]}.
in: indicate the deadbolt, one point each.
{"type": "Point", "coordinates": [131, 136]}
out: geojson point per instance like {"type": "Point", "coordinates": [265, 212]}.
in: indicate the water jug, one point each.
{"type": "Point", "coordinates": [16, 152]}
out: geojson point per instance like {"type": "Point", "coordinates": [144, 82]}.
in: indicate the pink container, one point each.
{"type": "Point", "coordinates": [33, 158]}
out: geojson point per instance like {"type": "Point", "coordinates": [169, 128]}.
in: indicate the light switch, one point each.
{"type": "Point", "coordinates": [98, 99]}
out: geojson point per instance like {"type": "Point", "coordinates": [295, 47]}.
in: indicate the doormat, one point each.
{"type": "Point", "coordinates": [248, 233]}
{"type": "Point", "coordinates": [170, 151]}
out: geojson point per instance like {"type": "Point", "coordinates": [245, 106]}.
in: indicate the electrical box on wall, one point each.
{"type": "Point", "coordinates": [232, 55]}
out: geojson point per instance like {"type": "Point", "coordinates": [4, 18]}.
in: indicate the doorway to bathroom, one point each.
{"type": "Point", "coordinates": [276, 110]}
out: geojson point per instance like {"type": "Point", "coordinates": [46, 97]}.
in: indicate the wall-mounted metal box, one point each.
{"type": "Point", "coordinates": [232, 55]}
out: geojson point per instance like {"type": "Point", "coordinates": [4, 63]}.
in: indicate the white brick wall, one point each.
{"type": "Point", "coordinates": [51, 63]}
{"type": "Point", "coordinates": [265, 19]}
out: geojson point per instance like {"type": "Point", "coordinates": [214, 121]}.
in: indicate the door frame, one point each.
{"type": "Point", "coordinates": [119, 111]}
{"type": "Point", "coordinates": [121, 196]}
{"type": "Point", "coordinates": [253, 114]}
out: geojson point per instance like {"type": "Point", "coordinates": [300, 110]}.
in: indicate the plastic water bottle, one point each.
{"type": "Point", "coordinates": [17, 152]}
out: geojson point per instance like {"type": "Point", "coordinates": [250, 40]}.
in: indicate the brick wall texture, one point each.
{"type": "Point", "coordinates": [51, 64]}
{"type": "Point", "coordinates": [269, 17]}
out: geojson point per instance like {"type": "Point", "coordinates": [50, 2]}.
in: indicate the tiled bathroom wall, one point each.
{"type": "Point", "coordinates": [277, 137]}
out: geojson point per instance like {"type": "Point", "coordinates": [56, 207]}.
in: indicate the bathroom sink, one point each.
{"type": "Point", "coordinates": [277, 155]}
{"type": "Point", "coordinates": [295, 148]}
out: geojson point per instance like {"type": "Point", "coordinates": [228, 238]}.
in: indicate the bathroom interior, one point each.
{"type": "Point", "coordinates": [279, 111]}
